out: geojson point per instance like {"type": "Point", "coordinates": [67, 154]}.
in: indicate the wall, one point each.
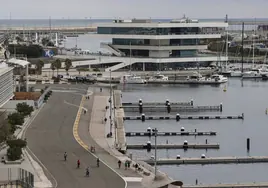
{"type": "Point", "coordinates": [40, 101]}
{"type": "Point", "coordinates": [163, 42]}
{"type": "Point", "coordinates": [10, 106]}
{"type": "Point", "coordinates": [156, 53]}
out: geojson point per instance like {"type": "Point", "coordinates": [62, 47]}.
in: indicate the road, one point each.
{"type": "Point", "coordinates": [51, 134]}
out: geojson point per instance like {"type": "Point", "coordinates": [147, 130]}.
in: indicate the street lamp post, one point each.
{"type": "Point", "coordinates": [155, 152]}
{"type": "Point", "coordinates": [110, 100]}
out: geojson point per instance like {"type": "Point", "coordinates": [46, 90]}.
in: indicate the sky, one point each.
{"type": "Point", "coordinates": [80, 9]}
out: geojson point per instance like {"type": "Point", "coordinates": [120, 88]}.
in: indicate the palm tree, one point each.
{"type": "Point", "coordinates": [57, 65]}
{"type": "Point", "coordinates": [53, 67]}
{"type": "Point", "coordinates": [68, 65]}
{"type": "Point", "coordinates": [39, 66]}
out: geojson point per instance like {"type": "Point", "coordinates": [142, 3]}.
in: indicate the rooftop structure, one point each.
{"type": "Point", "coordinates": [151, 45]}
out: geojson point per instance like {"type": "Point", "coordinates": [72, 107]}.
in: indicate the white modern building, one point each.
{"type": "Point", "coordinates": [147, 45]}
{"type": "Point", "coordinates": [6, 83]}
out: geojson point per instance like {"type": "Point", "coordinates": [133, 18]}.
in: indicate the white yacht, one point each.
{"type": "Point", "coordinates": [255, 73]}
{"type": "Point", "coordinates": [236, 73]}
{"type": "Point", "coordinates": [219, 78]}
{"type": "Point", "coordinates": [158, 78]}
{"type": "Point", "coordinates": [132, 79]}
{"type": "Point", "coordinates": [195, 77]}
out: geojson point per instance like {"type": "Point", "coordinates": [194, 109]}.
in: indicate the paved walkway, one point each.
{"type": "Point", "coordinates": [93, 134]}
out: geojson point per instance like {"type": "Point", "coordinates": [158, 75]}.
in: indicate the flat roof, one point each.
{"type": "Point", "coordinates": [164, 24]}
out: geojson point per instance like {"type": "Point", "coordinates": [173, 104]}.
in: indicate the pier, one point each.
{"type": "Point", "coordinates": [121, 142]}
{"type": "Point", "coordinates": [190, 103]}
{"type": "Point", "coordinates": [143, 134]}
{"type": "Point", "coordinates": [214, 160]}
{"type": "Point", "coordinates": [241, 185]}
{"type": "Point", "coordinates": [170, 108]}
{"type": "Point", "coordinates": [179, 117]}
{"type": "Point", "coordinates": [175, 146]}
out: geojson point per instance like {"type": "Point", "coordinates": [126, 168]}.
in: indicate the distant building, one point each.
{"type": "Point", "coordinates": [147, 45]}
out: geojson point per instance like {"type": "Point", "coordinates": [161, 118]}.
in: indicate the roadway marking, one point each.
{"type": "Point", "coordinates": [75, 106]}
{"type": "Point", "coordinates": [132, 179]}
{"type": "Point", "coordinates": [78, 139]}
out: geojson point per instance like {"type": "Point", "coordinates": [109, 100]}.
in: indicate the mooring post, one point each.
{"type": "Point", "coordinates": [248, 144]}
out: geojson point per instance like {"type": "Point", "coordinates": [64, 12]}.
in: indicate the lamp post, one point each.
{"type": "Point", "coordinates": [155, 151]}
{"type": "Point", "coordinates": [110, 101]}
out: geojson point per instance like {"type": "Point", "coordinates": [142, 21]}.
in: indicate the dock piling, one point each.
{"type": "Point", "coordinates": [248, 144]}
{"type": "Point", "coordinates": [178, 117]}
{"type": "Point", "coordinates": [168, 108]}
{"type": "Point", "coordinates": [143, 117]}
{"type": "Point", "coordinates": [221, 107]}
{"type": "Point", "coordinates": [192, 102]}
{"type": "Point", "coordinates": [140, 108]}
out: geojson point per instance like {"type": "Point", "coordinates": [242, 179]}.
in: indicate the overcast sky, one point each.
{"type": "Point", "coordinates": [133, 8]}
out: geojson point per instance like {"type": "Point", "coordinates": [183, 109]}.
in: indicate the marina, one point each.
{"type": "Point", "coordinates": [239, 96]}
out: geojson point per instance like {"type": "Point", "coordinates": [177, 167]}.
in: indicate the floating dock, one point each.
{"type": "Point", "coordinates": [190, 103]}
{"type": "Point", "coordinates": [214, 160]}
{"type": "Point", "coordinates": [205, 82]}
{"type": "Point", "coordinates": [179, 117]}
{"type": "Point", "coordinates": [192, 133]}
{"type": "Point", "coordinates": [169, 109]}
{"type": "Point", "coordinates": [175, 146]}
{"type": "Point", "coordinates": [121, 143]}
{"type": "Point", "coordinates": [241, 185]}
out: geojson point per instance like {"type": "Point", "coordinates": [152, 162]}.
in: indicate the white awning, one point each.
{"type": "Point", "coordinates": [18, 62]}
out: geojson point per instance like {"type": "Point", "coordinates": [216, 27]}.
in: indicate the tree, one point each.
{"type": "Point", "coordinates": [4, 131]}
{"type": "Point", "coordinates": [24, 109]}
{"type": "Point", "coordinates": [57, 65]}
{"type": "Point", "coordinates": [15, 119]}
{"type": "Point", "coordinates": [68, 64]}
{"type": "Point", "coordinates": [39, 66]}
{"type": "Point", "coordinates": [14, 153]}
{"type": "Point", "coordinates": [53, 67]}
{"type": "Point", "coordinates": [17, 143]}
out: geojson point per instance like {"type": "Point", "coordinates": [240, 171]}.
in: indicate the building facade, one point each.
{"type": "Point", "coordinates": [147, 45]}
{"type": "Point", "coordinates": [6, 83]}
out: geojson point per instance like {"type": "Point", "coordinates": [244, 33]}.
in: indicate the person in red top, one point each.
{"type": "Point", "coordinates": [78, 163]}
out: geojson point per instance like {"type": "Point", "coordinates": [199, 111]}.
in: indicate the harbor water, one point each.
{"type": "Point", "coordinates": [248, 97]}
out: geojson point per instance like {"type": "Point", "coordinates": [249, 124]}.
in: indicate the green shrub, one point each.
{"type": "Point", "coordinates": [14, 153]}
{"type": "Point", "coordinates": [16, 118]}
{"type": "Point", "coordinates": [17, 143]}
{"type": "Point", "coordinates": [24, 109]}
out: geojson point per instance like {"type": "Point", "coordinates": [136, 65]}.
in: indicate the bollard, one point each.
{"type": "Point", "coordinates": [178, 117]}
{"type": "Point", "coordinates": [221, 107]}
{"type": "Point", "coordinates": [149, 146]}
{"type": "Point", "coordinates": [182, 129]}
{"type": "Point", "coordinates": [168, 108]}
{"type": "Point", "coordinates": [185, 144]}
{"type": "Point", "coordinates": [178, 157]}
{"type": "Point", "coordinates": [140, 101]}
{"type": "Point", "coordinates": [167, 101]}
{"type": "Point", "coordinates": [143, 117]}
{"type": "Point", "coordinates": [203, 156]}
{"type": "Point", "coordinates": [140, 108]}
{"type": "Point", "coordinates": [248, 144]}
{"type": "Point", "coordinates": [149, 131]}
{"type": "Point", "coordinates": [192, 102]}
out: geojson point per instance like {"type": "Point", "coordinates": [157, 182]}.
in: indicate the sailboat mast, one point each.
{"type": "Point", "coordinates": [226, 20]}
{"type": "Point", "coordinates": [242, 53]}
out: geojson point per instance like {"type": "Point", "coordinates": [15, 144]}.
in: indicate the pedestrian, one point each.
{"type": "Point", "coordinates": [136, 166]}
{"type": "Point", "coordinates": [126, 164]}
{"type": "Point", "coordinates": [119, 164]}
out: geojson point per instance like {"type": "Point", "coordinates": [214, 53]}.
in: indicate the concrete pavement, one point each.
{"type": "Point", "coordinates": [51, 134]}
